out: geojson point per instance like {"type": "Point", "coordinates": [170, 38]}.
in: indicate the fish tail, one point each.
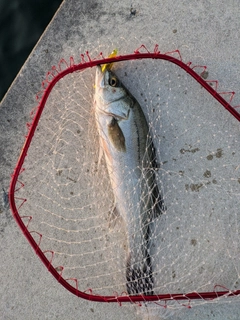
{"type": "Point", "coordinates": [139, 277]}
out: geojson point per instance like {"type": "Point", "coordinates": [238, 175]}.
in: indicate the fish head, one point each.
{"type": "Point", "coordinates": [108, 88]}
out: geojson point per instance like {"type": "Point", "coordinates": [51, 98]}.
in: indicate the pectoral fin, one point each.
{"type": "Point", "coordinates": [116, 136]}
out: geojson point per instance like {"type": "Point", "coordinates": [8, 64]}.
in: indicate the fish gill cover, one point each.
{"type": "Point", "coordinates": [62, 198]}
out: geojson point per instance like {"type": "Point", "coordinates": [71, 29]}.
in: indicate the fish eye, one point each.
{"type": "Point", "coordinates": [113, 81]}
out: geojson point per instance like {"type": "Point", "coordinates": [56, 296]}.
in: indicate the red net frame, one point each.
{"type": "Point", "coordinates": [52, 77]}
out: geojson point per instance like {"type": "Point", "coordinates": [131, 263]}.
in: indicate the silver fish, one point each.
{"type": "Point", "coordinates": [130, 156]}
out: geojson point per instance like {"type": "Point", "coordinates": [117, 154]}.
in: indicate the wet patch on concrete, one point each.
{"type": "Point", "coordinates": [218, 154]}
{"type": "Point", "coordinates": [195, 187]}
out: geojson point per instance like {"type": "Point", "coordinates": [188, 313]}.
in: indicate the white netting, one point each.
{"type": "Point", "coordinates": [195, 243]}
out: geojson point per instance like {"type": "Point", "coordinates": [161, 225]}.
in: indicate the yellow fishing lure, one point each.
{"type": "Point", "coordinates": [108, 66]}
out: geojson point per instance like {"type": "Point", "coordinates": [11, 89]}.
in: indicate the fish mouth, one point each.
{"type": "Point", "coordinates": [99, 77]}
{"type": "Point", "coordinates": [99, 70]}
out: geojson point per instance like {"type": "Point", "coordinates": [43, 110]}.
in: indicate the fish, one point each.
{"type": "Point", "coordinates": [126, 143]}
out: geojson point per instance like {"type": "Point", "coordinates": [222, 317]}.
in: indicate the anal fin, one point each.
{"type": "Point", "coordinates": [114, 216]}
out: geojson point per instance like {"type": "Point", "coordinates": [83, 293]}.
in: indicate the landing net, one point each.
{"type": "Point", "coordinates": [61, 196]}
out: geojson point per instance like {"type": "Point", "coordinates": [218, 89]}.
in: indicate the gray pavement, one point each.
{"type": "Point", "coordinates": [206, 33]}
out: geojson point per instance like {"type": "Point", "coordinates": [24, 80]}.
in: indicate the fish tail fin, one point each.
{"type": "Point", "coordinates": [139, 277]}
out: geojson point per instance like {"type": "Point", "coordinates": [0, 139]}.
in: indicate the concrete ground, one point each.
{"type": "Point", "coordinates": [208, 32]}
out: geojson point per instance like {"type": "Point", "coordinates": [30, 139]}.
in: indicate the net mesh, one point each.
{"type": "Point", "coordinates": [65, 196]}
